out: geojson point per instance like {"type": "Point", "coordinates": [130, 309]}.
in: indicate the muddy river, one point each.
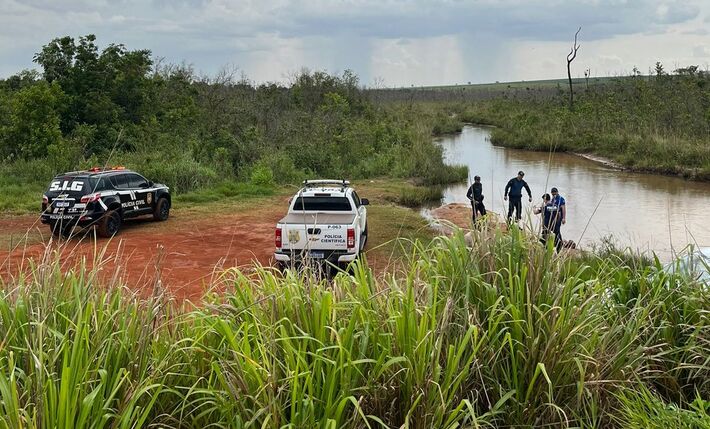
{"type": "Point", "coordinates": [647, 212]}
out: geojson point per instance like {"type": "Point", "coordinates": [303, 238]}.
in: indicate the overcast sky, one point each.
{"type": "Point", "coordinates": [393, 42]}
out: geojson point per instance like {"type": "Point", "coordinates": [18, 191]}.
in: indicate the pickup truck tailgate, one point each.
{"type": "Point", "coordinates": [316, 231]}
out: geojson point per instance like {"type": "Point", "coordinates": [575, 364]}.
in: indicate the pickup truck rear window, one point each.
{"type": "Point", "coordinates": [329, 204]}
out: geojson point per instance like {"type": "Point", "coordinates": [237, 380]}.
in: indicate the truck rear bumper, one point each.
{"type": "Point", "coordinates": [348, 257]}
{"type": "Point", "coordinates": [71, 220]}
{"type": "Point", "coordinates": [288, 257]}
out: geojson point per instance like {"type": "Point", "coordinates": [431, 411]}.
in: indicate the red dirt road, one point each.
{"type": "Point", "coordinates": [193, 249]}
{"type": "Point", "coordinates": [186, 253]}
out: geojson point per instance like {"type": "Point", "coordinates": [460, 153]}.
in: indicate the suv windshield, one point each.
{"type": "Point", "coordinates": [334, 204]}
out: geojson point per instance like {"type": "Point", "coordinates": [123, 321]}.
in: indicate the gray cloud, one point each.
{"type": "Point", "coordinates": [262, 35]}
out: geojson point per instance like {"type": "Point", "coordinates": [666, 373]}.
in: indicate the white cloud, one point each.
{"type": "Point", "coordinates": [416, 61]}
{"type": "Point", "coordinates": [701, 51]}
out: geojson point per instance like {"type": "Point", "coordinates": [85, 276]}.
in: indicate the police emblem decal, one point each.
{"type": "Point", "coordinates": [149, 197]}
{"type": "Point", "coordinates": [294, 236]}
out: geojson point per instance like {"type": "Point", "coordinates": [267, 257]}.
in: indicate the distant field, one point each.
{"type": "Point", "coordinates": [536, 89]}
{"type": "Point", "coordinates": [523, 84]}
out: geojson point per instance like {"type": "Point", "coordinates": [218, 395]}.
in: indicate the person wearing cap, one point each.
{"type": "Point", "coordinates": [475, 195]}
{"type": "Point", "coordinates": [549, 221]}
{"type": "Point", "coordinates": [514, 190]}
{"type": "Point", "coordinates": [560, 212]}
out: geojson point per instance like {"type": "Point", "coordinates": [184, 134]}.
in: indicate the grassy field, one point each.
{"type": "Point", "coordinates": [532, 84]}
{"type": "Point", "coordinates": [502, 334]}
{"type": "Point", "coordinates": [519, 90]}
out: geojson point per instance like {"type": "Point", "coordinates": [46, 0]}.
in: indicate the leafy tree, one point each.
{"type": "Point", "coordinates": [110, 90]}
{"type": "Point", "coordinates": [34, 121]}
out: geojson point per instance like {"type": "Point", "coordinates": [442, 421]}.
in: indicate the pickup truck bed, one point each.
{"type": "Point", "coordinates": [318, 218]}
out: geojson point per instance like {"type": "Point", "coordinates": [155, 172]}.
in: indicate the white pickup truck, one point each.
{"type": "Point", "coordinates": [326, 221]}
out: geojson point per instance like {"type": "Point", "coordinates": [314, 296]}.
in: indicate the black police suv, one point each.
{"type": "Point", "coordinates": [103, 197]}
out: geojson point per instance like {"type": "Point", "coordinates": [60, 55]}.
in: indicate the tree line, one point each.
{"type": "Point", "coordinates": [88, 106]}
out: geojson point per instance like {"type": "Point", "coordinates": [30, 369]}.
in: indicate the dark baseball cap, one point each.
{"type": "Point", "coordinates": [521, 173]}
{"type": "Point", "coordinates": [553, 190]}
{"type": "Point", "coordinates": [477, 178]}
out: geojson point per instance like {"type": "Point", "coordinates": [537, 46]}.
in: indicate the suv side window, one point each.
{"type": "Point", "coordinates": [120, 181]}
{"type": "Point", "coordinates": [137, 181]}
{"type": "Point", "coordinates": [100, 184]}
{"type": "Point", "coordinates": [356, 200]}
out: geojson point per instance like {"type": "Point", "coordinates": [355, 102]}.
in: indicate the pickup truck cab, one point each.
{"type": "Point", "coordinates": [326, 221]}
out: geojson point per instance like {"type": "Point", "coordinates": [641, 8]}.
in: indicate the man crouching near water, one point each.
{"type": "Point", "coordinates": [475, 195]}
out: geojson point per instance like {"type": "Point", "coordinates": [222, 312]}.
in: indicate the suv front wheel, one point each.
{"type": "Point", "coordinates": [109, 224]}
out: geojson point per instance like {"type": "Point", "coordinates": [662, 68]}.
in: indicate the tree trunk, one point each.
{"type": "Point", "coordinates": [570, 57]}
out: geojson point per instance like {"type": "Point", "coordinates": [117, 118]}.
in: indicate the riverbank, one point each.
{"type": "Point", "coordinates": [542, 126]}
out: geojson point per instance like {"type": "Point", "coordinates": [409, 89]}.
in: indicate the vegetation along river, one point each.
{"type": "Point", "coordinates": [647, 212]}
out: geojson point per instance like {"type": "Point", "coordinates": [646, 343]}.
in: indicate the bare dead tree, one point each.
{"type": "Point", "coordinates": [570, 57]}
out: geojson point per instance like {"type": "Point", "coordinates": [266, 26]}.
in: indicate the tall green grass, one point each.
{"type": "Point", "coordinates": [499, 333]}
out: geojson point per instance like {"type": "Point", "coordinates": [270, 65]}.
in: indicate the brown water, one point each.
{"type": "Point", "coordinates": [647, 212]}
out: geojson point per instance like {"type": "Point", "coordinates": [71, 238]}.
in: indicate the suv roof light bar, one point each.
{"type": "Point", "coordinates": [320, 182]}
{"type": "Point", "coordinates": [102, 169]}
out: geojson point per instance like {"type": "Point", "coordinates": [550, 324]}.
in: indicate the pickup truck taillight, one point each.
{"type": "Point", "coordinates": [351, 238]}
{"type": "Point", "coordinates": [90, 198]}
{"type": "Point", "coordinates": [277, 238]}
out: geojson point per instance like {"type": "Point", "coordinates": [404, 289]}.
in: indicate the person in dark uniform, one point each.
{"type": "Point", "coordinates": [560, 211]}
{"type": "Point", "coordinates": [514, 190]}
{"type": "Point", "coordinates": [552, 218]}
{"type": "Point", "coordinates": [475, 195]}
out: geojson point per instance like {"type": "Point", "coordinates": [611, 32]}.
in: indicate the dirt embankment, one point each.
{"type": "Point", "coordinates": [184, 253]}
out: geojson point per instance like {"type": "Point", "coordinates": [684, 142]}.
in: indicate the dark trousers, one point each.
{"type": "Point", "coordinates": [477, 206]}
{"type": "Point", "coordinates": [515, 203]}
{"type": "Point", "coordinates": [555, 229]}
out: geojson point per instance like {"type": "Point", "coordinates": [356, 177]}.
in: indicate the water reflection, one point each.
{"type": "Point", "coordinates": [647, 212]}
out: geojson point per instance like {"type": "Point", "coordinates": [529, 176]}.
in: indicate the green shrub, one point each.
{"type": "Point", "coordinates": [641, 409]}
{"type": "Point", "coordinates": [262, 175]}
{"type": "Point", "coordinates": [179, 171]}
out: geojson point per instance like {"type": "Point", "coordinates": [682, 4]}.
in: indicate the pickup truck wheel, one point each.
{"type": "Point", "coordinates": [109, 224]}
{"type": "Point", "coordinates": [162, 210]}
{"type": "Point", "coordinates": [281, 267]}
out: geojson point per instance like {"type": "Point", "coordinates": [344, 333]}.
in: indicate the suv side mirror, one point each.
{"type": "Point", "coordinates": [364, 202]}
{"type": "Point", "coordinates": [147, 184]}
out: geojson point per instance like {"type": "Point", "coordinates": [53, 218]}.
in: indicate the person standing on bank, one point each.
{"type": "Point", "coordinates": [549, 220]}
{"type": "Point", "coordinates": [475, 195]}
{"type": "Point", "coordinates": [514, 190]}
{"type": "Point", "coordinates": [560, 210]}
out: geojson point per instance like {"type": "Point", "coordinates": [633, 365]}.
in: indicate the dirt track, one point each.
{"type": "Point", "coordinates": [192, 249]}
